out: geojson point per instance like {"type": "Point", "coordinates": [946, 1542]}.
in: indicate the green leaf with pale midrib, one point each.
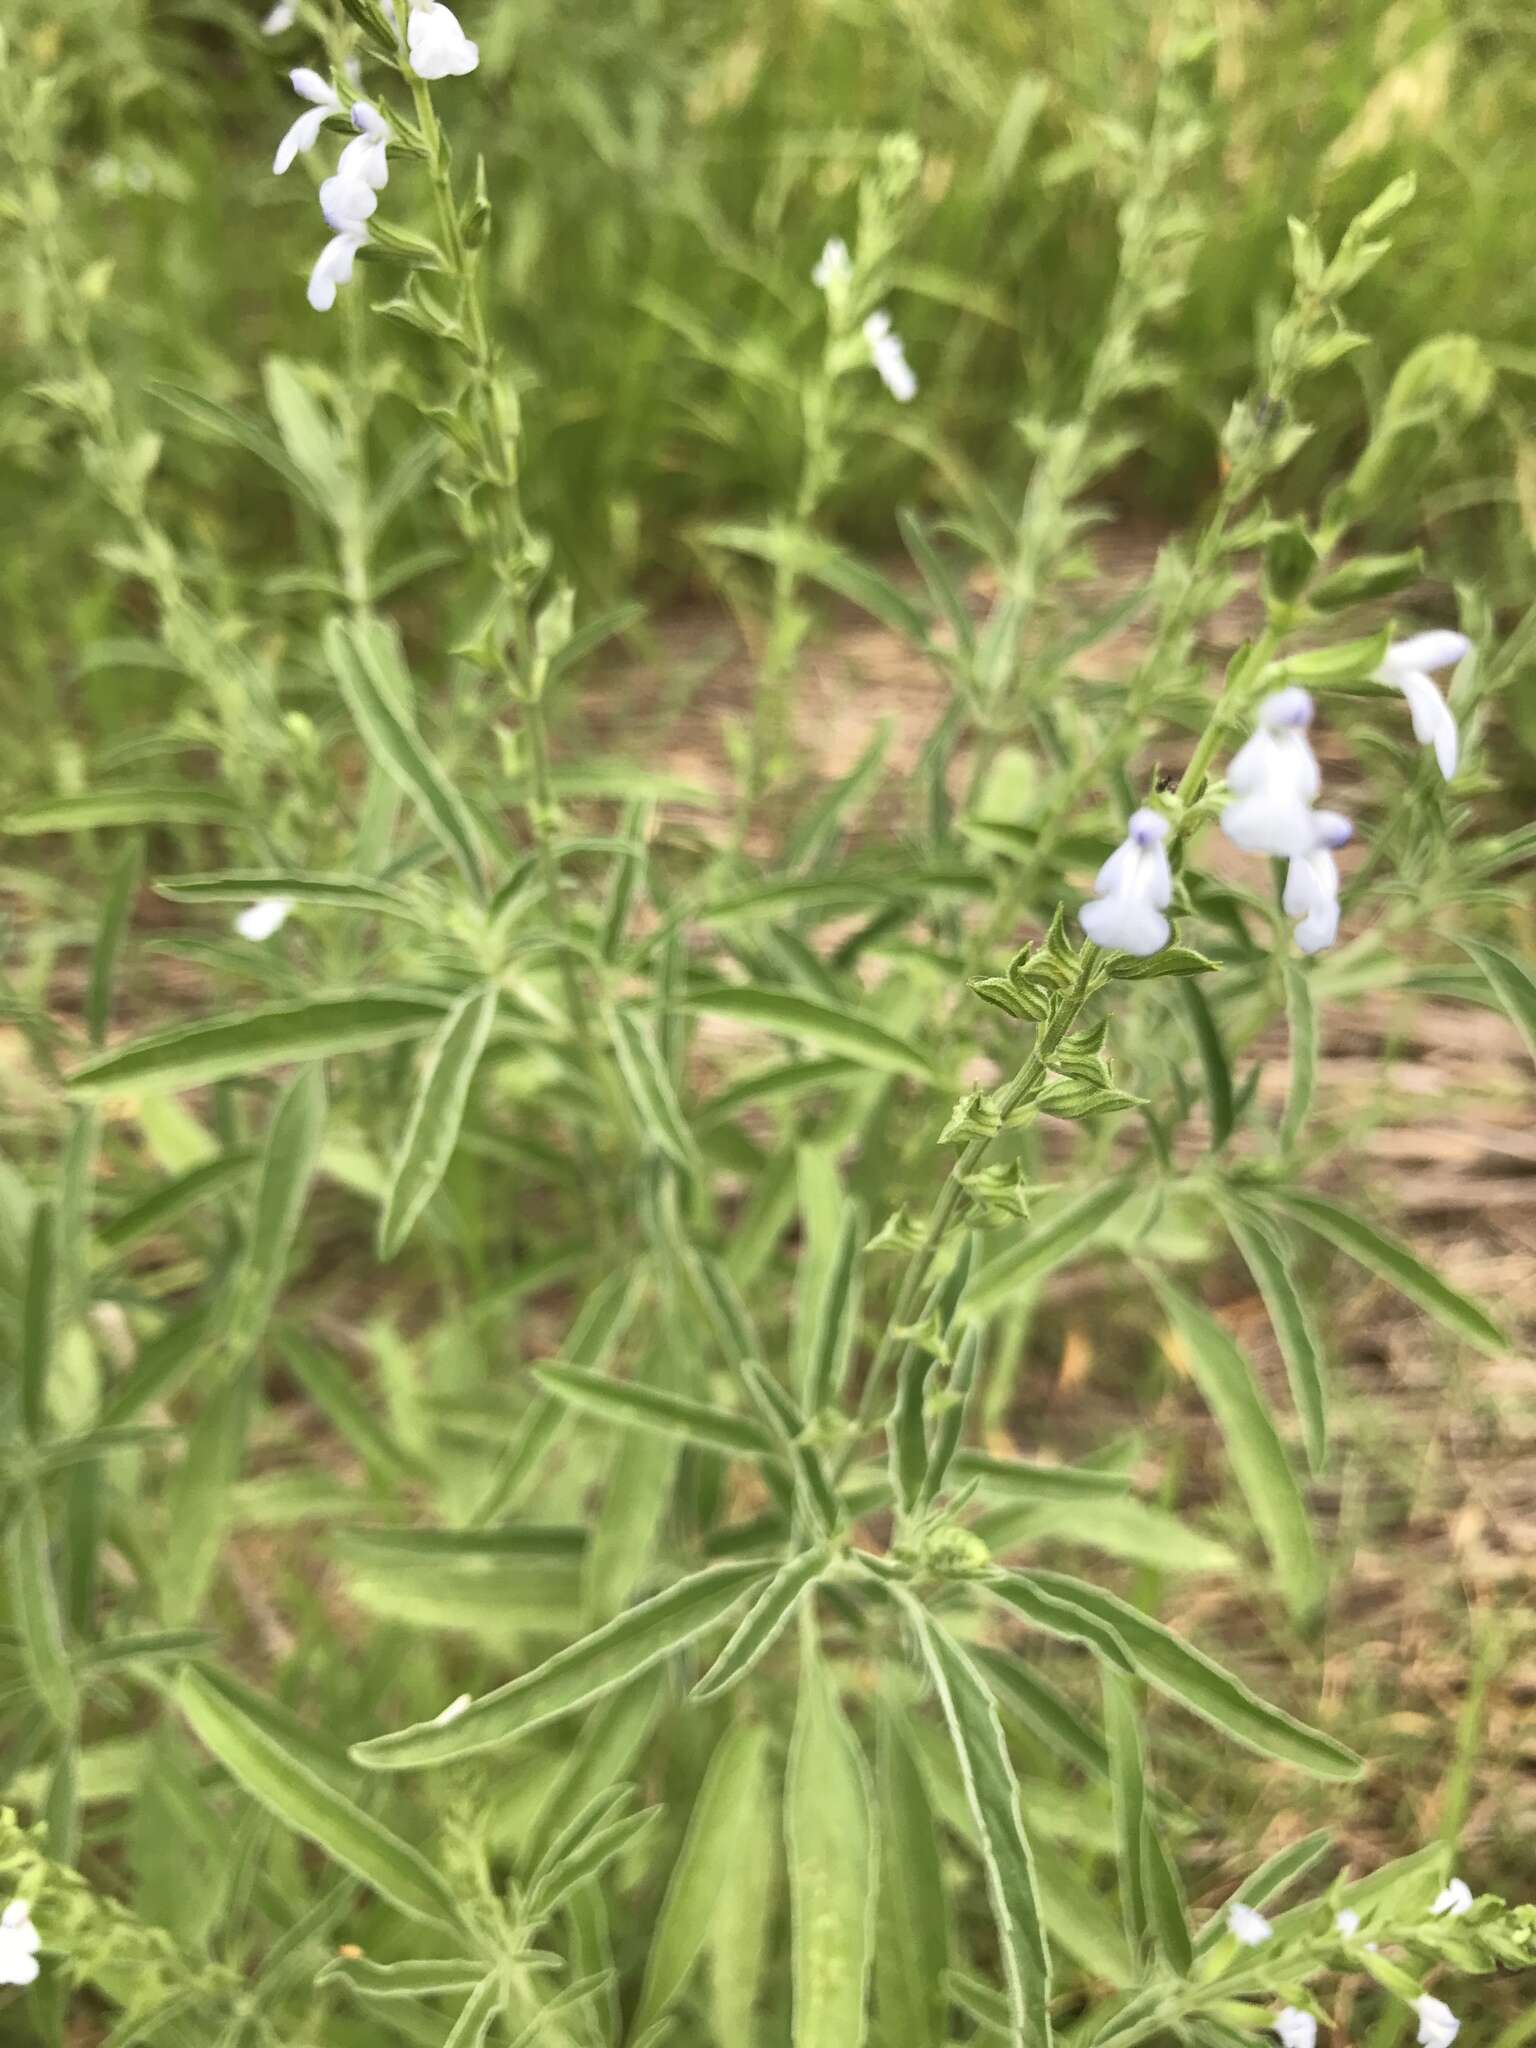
{"type": "Point", "coordinates": [584, 1671]}
{"type": "Point", "coordinates": [276, 1777]}
{"type": "Point", "coordinates": [188, 1055]}
{"type": "Point", "coordinates": [840, 1030]}
{"type": "Point", "coordinates": [1188, 1675]}
{"type": "Point", "coordinates": [1390, 1261]}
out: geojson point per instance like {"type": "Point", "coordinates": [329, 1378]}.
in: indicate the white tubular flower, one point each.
{"type": "Point", "coordinates": [350, 197]}
{"type": "Point", "coordinates": [834, 266]}
{"type": "Point", "coordinates": [305, 132]}
{"type": "Point", "coordinates": [1296, 2029]}
{"type": "Point", "coordinates": [367, 155]}
{"type": "Point", "coordinates": [890, 358]}
{"type": "Point", "coordinates": [19, 1944]}
{"type": "Point", "coordinates": [1438, 2025]}
{"type": "Point", "coordinates": [1274, 780]}
{"type": "Point", "coordinates": [1347, 1921]}
{"type": "Point", "coordinates": [265, 918]}
{"type": "Point", "coordinates": [1132, 890]}
{"type": "Point", "coordinates": [1312, 883]}
{"type": "Point", "coordinates": [1409, 667]}
{"type": "Point", "coordinates": [438, 45]}
{"type": "Point", "coordinates": [453, 1710]}
{"type": "Point", "coordinates": [281, 19]}
{"type": "Point", "coordinates": [333, 268]}
{"type": "Point", "coordinates": [1455, 1900]}
{"type": "Point", "coordinates": [1248, 1924]}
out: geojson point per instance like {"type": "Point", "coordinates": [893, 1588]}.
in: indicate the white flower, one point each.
{"type": "Point", "coordinates": [19, 1944]}
{"type": "Point", "coordinates": [1347, 1921]}
{"type": "Point", "coordinates": [1296, 2029]}
{"type": "Point", "coordinates": [265, 918]}
{"type": "Point", "coordinates": [453, 1710]}
{"type": "Point", "coordinates": [1455, 1900]}
{"type": "Point", "coordinates": [333, 267]}
{"type": "Point", "coordinates": [1438, 2025]}
{"type": "Point", "coordinates": [1248, 1924]}
{"type": "Point", "coordinates": [349, 197]}
{"type": "Point", "coordinates": [281, 19]}
{"type": "Point", "coordinates": [1132, 890]}
{"type": "Point", "coordinates": [305, 132]}
{"type": "Point", "coordinates": [1312, 883]}
{"type": "Point", "coordinates": [835, 266]}
{"type": "Point", "coordinates": [1409, 667]}
{"type": "Point", "coordinates": [439, 47]}
{"type": "Point", "coordinates": [890, 358]}
{"type": "Point", "coordinates": [1274, 780]}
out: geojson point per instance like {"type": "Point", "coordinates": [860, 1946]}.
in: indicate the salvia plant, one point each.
{"type": "Point", "coordinates": [635, 1622]}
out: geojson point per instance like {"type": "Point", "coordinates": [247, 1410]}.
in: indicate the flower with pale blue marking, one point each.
{"type": "Point", "coordinates": [1410, 667]}
{"type": "Point", "coordinates": [1132, 890]}
{"type": "Point", "coordinates": [1312, 883]}
{"type": "Point", "coordinates": [280, 19]}
{"type": "Point", "coordinates": [1274, 780]}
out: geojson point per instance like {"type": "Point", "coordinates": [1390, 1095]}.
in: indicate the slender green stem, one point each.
{"type": "Point", "coordinates": [915, 1274]}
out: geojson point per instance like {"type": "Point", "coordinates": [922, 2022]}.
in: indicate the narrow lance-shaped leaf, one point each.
{"type": "Point", "coordinates": [1188, 1675]}
{"type": "Point", "coordinates": [366, 663]}
{"type": "Point", "coordinates": [912, 1918]}
{"type": "Point", "coordinates": [836, 1321]}
{"type": "Point", "coordinates": [437, 1111]}
{"type": "Point", "coordinates": [763, 1623]}
{"type": "Point", "coordinates": [907, 1424]}
{"type": "Point", "coordinates": [189, 1055]}
{"type": "Point", "coordinates": [1267, 1257]}
{"type": "Point", "coordinates": [992, 1792]}
{"type": "Point", "coordinates": [473, 2024]}
{"type": "Point", "coordinates": [288, 1161]}
{"type": "Point", "coordinates": [841, 1030]}
{"type": "Point", "coordinates": [1214, 1064]}
{"type": "Point", "coordinates": [629, 1644]}
{"type": "Point", "coordinates": [35, 1614]}
{"type": "Point", "coordinates": [115, 913]}
{"type": "Point", "coordinates": [1390, 1261]}
{"type": "Point", "coordinates": [1512, 982]}
{"type": "Point", "coordinates": [38, 1316]}
{"type": "Point", "coordinates": [707, 1864]}
{"type": "Point", "coordinates": [632, 1404]}
{"type": "Point", "coordinates": [651, 1092]}
{"type": "Point", "coordinates": [274, 1774]}
{"type": "Point", "coordinates": [1259, 1460]}
{"type": "Point", "coordinates": [1301, 1017]}
{"type": "Point", "coordinates": [1060, 1236]}
{"type": "Point", "coordinates": [950, 1424]}
{"type": "Point", "coordinates": [829, 1840]}
{"type": "Point", "coordinates": [323, 890]}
